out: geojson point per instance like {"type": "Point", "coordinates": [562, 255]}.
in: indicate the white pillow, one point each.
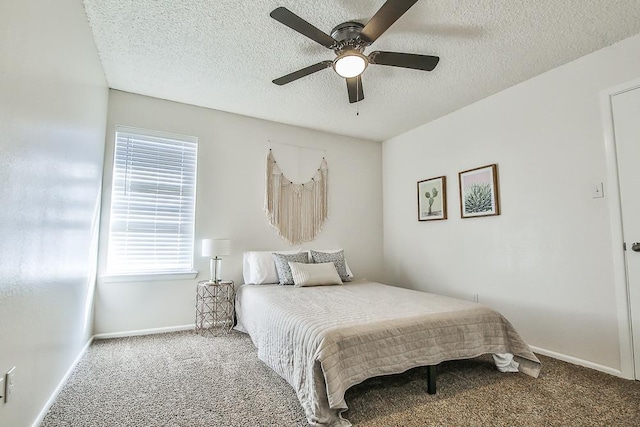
{"type": "Point", "coordinates": [259, 268]}
{"type": "Point", "coordinates": [321, 274]}
{"type": "Point", "coordinates": [349, 273]}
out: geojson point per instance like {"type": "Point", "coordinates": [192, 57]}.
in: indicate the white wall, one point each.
{"type": "Point", "coordinates": [230, 200]}
{"type": "Point", "coordinates": [53, 106]}
{"type": "Point", "coordinates": [546, 262]}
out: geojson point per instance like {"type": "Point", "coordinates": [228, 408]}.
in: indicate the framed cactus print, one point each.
{"type": "Point", "coordinates": [432, 199]}
{"type": "Point", "coordinates": [479, 192]}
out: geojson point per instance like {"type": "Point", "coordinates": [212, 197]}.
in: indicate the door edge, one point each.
{"type": "Point", "coordinates": [625, 333]}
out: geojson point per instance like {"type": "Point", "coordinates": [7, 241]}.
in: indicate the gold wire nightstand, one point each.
{"type": "Point", "coordinates": [215, 307]}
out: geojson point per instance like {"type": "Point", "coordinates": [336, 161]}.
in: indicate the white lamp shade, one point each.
{"type": "Point", "coordinates": [214, 247]}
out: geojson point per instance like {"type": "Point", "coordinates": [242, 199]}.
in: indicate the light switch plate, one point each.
{"type": "Point", "coordinates": [11, 377]}
{"type": "Point", "coordinates": [597, 190]}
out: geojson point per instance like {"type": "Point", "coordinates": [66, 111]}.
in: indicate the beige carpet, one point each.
{"type": "Point", "coordinates": [183, 379]}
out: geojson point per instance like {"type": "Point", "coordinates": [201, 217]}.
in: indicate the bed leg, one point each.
{"type": "Point", "coordinates": [431, 379]}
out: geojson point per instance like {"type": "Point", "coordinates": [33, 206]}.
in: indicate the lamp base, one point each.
{"type": "Point", "coordinates": [214, 269]}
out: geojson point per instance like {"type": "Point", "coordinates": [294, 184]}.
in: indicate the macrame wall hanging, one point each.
{"type": "Point", "coordinates": [297, 211]}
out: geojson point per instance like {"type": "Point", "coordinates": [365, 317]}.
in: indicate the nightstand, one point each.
{"type": "Point", "coordinates": [215, 307]}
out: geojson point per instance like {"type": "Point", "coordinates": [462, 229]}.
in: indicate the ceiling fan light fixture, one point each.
{"type": "Point", "coordinates": [350, 64]}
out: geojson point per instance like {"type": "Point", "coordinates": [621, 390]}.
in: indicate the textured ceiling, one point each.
{"type": "Point", "coordinates": [223, 54]}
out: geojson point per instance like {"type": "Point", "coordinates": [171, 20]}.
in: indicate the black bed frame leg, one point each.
{"type": "Point", "coordinates": [431, 379]}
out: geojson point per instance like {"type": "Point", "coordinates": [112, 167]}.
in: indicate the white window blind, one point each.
{"type": "Point", "coordinates": [152, 203]}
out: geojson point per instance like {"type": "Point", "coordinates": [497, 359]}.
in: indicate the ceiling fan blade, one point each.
{"type": "Point", "coordinates": [404, 60]}
{"type": "Point", "coordinates": [354, 87]}
{"type": "Point", "coordinates": [293, 21]}
{"type": "Point", "coordinates": [389, 13]}
{"type": "Point", "coordinates": [302, 73]}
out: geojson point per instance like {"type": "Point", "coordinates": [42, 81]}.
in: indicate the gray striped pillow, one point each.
{"type": "Point", "coordinates": [322, 274]}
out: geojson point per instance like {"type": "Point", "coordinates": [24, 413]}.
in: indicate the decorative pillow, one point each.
{"type": "Point", "coordinates": [335, 257]}
{"type": "Point", "coordinates": [322, 274]}
{"type": "Point", "coordinates": [259, 268]}
{"type": "Point", "coordinates": [331, 251]}
{"type": "Point", "coordinates": [282, 265]}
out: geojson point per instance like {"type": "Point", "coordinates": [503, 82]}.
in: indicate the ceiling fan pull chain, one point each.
{"type": "Point", "coordinates": [358, 83]}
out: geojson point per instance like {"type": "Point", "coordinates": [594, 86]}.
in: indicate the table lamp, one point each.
{"type": "Point", "coordinates": [213, 249]}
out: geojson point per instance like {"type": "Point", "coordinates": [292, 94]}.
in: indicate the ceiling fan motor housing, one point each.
{"type": "Point", "coordinates": [347, 35]}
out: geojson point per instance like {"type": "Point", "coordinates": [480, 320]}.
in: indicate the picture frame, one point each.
{"type": "Point", "coordinates": [479, 192]}
{"type": "Point", "coordinates": [432, 199]}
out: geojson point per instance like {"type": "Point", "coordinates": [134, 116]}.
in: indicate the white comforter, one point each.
{"type": "Point", "coordinates": [325, 339]}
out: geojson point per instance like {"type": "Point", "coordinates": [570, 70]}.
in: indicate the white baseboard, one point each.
{"type": "Point", "coordinates": [144, 332]}
{"type": "Point", "coordinates": [579, 362]}
{"type": "Point", "coordinates": [61, 384]}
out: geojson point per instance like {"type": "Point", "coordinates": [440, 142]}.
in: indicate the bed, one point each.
{"type": "Point", "coordinates": [324, 339]}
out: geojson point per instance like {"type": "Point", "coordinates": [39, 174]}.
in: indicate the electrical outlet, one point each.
{"type": "Point", "coordinates": [11, 376]}
{"type": "Point", "coordinates": [597, 190]}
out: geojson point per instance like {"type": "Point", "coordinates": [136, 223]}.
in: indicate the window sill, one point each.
{"type": "Point", "coordinates": [148, 277]}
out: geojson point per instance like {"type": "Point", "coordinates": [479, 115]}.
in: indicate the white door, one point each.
{"type": "Point", "coordinates": [626, 121]}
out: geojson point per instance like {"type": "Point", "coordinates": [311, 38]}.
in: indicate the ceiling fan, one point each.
{"type": "Point", "coordinates": [349, 40]}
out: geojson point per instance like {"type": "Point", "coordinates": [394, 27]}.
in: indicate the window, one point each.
{"type": "Point", "coordinates": [152, 203]}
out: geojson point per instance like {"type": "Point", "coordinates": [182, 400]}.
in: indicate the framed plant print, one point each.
{"type": "Point", "coordinates": [432, 199]}
{"type": "Point", "coordinates": [479, 192]}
